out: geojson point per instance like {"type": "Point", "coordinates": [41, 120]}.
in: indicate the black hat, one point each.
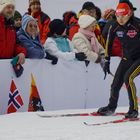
{"type": "Point", "coordinates": [88, 5]}
{"type": "Point", "coordinates": [56, 26]}
{"type": "Point", "coordinates": [129, 3]}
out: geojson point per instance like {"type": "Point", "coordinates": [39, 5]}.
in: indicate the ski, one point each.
{"type": "Point", "coordinates": [115, 121]}
{"type": "Point", "coordinates": [75, 114]}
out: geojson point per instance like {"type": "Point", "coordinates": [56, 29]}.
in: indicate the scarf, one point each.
{"type": "Point", "coordinates": [92, 38]}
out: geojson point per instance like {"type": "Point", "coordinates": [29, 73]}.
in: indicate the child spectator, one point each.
{"type": "Point", "coordinates": [59, 45]}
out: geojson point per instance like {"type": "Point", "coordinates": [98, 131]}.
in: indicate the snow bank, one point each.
{"type": "Point", "coordinates": [29, 126]}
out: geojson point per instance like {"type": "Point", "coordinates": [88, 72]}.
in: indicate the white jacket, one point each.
{"type": "Point", "coordinates": [82, 44]}
{"type": "Point", "coordinates": [51, 47]}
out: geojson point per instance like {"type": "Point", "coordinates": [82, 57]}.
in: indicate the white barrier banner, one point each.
{"type": "Point", "coordinates": [67, 85]}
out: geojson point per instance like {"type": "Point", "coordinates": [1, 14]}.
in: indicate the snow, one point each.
{"type": "Point", "coordinates": [29, 126]}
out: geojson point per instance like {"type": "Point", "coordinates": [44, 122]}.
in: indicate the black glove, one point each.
{"type": "Point", "coordinates": [80, 56]}
{"type": "Point", "coordinates": [106, 68]}
{"type": "Point", "coordinates": [51, 57]}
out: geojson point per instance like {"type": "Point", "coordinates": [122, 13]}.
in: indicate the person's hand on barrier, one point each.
{"type": "Point", "coordinates": [98, 60]}
{"type": "Point", "coordinates": [80, 56]}
{"type": "Point", "coordinates": [51, 57]}
{"type": "Point", "coordinates": [17, 67]}
{"type": "Point", "coordinates": [106, 68]}
{"type": "Point", "coordinates": [21, 58]}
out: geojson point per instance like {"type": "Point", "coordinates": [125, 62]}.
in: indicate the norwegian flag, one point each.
{"type": "Point", "coordinates": [15, 100]}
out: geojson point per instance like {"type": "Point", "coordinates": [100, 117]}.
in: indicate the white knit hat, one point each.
{"type": "Point", "coordinates": [85, 20]}
{"type": "Point", "coordinates": [4, 3]}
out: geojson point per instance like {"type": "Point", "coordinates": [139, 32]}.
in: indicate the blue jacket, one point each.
{"type": "Point", "coordinates": [33, 46]}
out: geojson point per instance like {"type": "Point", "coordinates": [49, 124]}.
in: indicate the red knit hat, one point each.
{"type": "Point", "coordinates": [108, 13]}
{"type": "Point", "coordinates": [123, 9]}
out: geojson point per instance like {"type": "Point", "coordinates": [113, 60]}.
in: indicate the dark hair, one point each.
{"type": "Point", "coordinates": [98, 13]}
{"type": "Point", "coordinates": [57, 27]}
{"type": "Point", "coordinates": [67, 16]}
{"type": "Point", "coordinates": [88, 5]}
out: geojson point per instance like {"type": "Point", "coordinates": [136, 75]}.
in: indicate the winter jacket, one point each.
{"type": "Point", "coordinates": [9, 46]}
{"type": "Point", "coordinates": [60, 47]}
{"type": "Point", "coordinates": [43, 24]}
{"type": "Point", "coordinates": [73, 27]}
{"type": "Point", "coordinates": [116, 47]}
{"type": "Point", "coordinates": [129, 36]}
{"type": "Point", "coordinates": [33, 46]}
{"type": "Point", "coordinates": [82, 44]}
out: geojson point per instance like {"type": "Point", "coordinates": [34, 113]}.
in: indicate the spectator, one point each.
{"type": "Point", "coordinates": [59, 45]}
{"type": "Point", "coordinates": [28, 36]}
{"type": "Point", "coordinates": [42, 18]}
{"type": "Point", "coordinates": [8, 42]}
{"type": "Point", "coordinates": [108, 15]}
{"type": "Point", "coordinates": [70, 20]}
{"type": "Point", "coordinates": [17, 20]}
{"type": "Point", "coordinates": [89, 8]}
{"type": "Point", "coordinates": [98, 13]}
{"type": "Point", "coordinates": [86, 41]}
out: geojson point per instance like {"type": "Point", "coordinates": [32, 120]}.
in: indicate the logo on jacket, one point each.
{"type": "Point", "coordinates": [120, 33]}
{"type": "Point", "coordinates": [131, 33]}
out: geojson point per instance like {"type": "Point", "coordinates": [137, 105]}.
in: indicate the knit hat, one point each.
{"type": "Point", "coordinates": [4, 3]}
{"type": "Point", "coordinates": [108, 13]}
{"type": "Point", "coordinates": [34, 1]}
{"type": "Point", "coordinates": [17, 15]}
{"type": "Point", "coordinates": [56, 26]}
{"type": "Point", "coordinates": [123, 9]}
{"type": "Point", "coordinates": [88, 5]}
{"type": "Point", "coordinates": [25, 19]}
{"type": "Point", "coordinates": [85, 20]}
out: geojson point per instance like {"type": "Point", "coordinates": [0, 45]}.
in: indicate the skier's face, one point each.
{"type": "Point", "coordinates": [123, 19]}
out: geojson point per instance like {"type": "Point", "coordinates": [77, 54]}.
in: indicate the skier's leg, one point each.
{"type": "Point", "coordinates": [115, 88]}
{"type": "Point", "coordinates": [130, 75]}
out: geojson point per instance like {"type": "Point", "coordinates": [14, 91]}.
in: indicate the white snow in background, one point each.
{"type": "Point", "coordinates": [56, 8]}
{"type": "Point", "coordinates": [29, 126]}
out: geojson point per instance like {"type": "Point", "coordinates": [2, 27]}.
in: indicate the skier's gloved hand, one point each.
{"type": "Point", "coordinates": [80, 56]}
{"type": "Point", "coordinates": [102, 63]}
{"type": "Point", "coordinates": [106, 68]}
{"type": "Point", "coordinates": [51, 57]}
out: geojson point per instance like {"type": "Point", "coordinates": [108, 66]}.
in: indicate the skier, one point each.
{"type": "Point", "coordinates": [127, 29]}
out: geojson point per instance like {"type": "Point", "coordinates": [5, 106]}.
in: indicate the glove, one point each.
{"type": "Point", "coordinates": [80, 56]}
{"type": "Point", "coordinates": [102, 63]}
{"type": "Point", "coordinates": [51, 57]}
{"type": "Point", "coordinates": [18, 69]}
{"type": "Point", "coordinates": [98, 59]}
{"type": "Point", "coordinates": [106, 68]}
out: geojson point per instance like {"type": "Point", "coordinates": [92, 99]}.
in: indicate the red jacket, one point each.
{"type": "Point", "coordinates": [8, 46]}
{"type": "Point", "coordinates": [74, 27]}
{"type": "Point", "coordinates": [43, 23]}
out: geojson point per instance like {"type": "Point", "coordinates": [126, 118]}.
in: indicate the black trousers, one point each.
{"type": "Point", "coordinates": [126, 73]}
